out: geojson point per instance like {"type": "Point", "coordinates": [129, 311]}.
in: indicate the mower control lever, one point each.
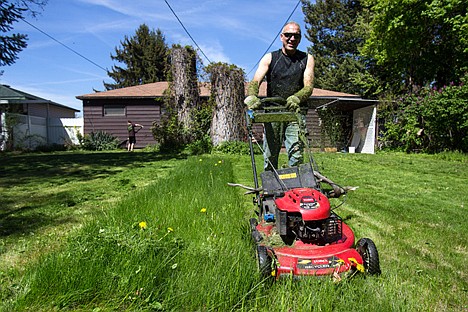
{"type": "Point", "coordinates": [275, 112]}
{"type": "Point", "coordinates": [274, 100]}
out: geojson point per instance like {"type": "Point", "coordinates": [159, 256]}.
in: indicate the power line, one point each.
{"type": "Point", "coordinates": [273, 41]}
{"type": "Point", "coordinates": [187, 31]}
{"type": "Point", "coordinates": [64, 45]}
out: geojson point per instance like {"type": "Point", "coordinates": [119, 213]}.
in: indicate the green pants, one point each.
{"type": "Point", "coordinates": [275, 133]}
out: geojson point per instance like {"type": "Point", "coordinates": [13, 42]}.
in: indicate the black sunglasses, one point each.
{"type": "Point", "coordinates": [289, 35]}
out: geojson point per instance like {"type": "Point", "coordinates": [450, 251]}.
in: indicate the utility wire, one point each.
{"type": "Point", "coordinates": [187, 31]}
{"type": "Point", "coordinates": [273, 41]}
{"type": "Point", "coordinates": [64, 45]}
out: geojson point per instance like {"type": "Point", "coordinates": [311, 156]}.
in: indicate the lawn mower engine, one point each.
{"type": "Point", "coordinates": [304, 213]}
{"type": "Point", "coordinates": [298, 234]}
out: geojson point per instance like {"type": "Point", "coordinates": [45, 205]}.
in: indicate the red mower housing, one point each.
{"type": "Point", "coordinates": [315, 241]}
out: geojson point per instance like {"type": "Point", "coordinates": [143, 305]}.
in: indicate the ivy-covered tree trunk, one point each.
{"type": "Point", "coordinates": [227, 94]}
{"type": "Point", "coordinates": [184, 84]}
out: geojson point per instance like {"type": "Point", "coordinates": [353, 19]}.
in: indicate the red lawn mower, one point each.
{"type": "Point", "coordinates": [297, 233]}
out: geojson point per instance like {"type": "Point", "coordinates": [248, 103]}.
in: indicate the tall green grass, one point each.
{"type": "Point", "coordinates": [193, 250]}
{"type": "Point", "coordinates": [196, 253]}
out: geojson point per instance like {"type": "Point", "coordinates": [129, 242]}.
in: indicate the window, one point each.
{"type": "Point", "coordinates": [114, 110]}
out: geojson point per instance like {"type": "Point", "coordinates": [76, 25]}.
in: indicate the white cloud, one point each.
{"type": "Point", "coordinates": [215, 53]}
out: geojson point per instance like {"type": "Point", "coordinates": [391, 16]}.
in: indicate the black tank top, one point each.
{"type": "Point", "coordinates": [285, 75]}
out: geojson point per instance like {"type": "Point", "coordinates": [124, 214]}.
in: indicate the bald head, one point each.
{"type": "Point", "coordinates": [291, 23]}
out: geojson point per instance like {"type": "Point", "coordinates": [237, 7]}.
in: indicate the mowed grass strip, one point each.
{"type": "Point", "coordinates": [414, 208]}
{"type": "Point", "coordinates": [47, 196]}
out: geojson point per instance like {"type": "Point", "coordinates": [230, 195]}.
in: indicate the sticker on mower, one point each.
{"type": "Point", "coordinates": [288, 176]}
{"type": "Point", "coordinates": [316, 264]}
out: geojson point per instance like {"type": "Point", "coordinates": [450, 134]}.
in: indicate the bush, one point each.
{"type": "Point", "coordinates": [198, 147]}
{"type": "Point", "coordinates": [99, 141]}
{"type": "Point", "coordinates": [169, 135]}
{"type": "Point", "coordinates": [428, 120]}
{"type": "Point", "coordinates": [173, 137]}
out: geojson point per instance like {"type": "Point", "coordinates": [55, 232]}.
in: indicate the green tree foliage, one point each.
{"type": "Point", "coordinates": [144, 56]}
{"type": "Point", "coordinates": [419, 42]}
{"type": "Point", "coordinates": [10, 12]}
{"type": "Point", "coordinates": [332, 29]}
{"type": "Point", "coordinates": [429, 120]}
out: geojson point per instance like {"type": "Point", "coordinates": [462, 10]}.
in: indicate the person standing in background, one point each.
{"type": "Point", "coordinates": [132, 131]}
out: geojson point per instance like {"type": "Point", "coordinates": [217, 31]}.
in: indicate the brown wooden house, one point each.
{"type": "Point", "coordinates": [109, 111]}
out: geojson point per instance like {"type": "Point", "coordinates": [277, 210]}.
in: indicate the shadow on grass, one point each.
{"type": "Point", "coordinates": [23, 222]}
{"type": "Point", "coordinates": [24, 207]}
{"type": "Point", "coordinates": [21, 217]}
{"type": "Point", "coordinates": [28, 168]}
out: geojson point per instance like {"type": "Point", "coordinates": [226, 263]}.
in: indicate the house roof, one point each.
{"type": "Point", "coordinates": [156, 89]}
{"type": "Point", "coordinates": [8, 95]}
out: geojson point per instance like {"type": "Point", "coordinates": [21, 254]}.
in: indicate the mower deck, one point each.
{"type": "Point", "coordinates": [302, 258]}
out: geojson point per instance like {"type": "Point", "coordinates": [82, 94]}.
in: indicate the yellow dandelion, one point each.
{"type": "Point", "coordinates": [203, 210]}
{"type": "Point", "coordinates": [142, 225]}
{"type": "Point", "coordinates": [169, 229]}
{"type": "Point", "coordinates": [220, 162]}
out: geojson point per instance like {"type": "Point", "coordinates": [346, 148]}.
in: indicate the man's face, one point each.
{"type": "Point", "coordinates": [291, 37]}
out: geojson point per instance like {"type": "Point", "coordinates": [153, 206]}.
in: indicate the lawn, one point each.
{"type": "Point", "coordinates": [142, 232]}
{"type": "Point", "coordinates": [47, 196]}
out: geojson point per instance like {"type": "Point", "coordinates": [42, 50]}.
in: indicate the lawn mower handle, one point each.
{"type": "Point", "coordinates": [274, 100]}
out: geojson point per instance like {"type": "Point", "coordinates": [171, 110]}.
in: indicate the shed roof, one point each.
{"type": "Point", "coordinates": [156, 89]}
{"type": "Point", "coordinates": [320, 97]}
{"type": "Point", "coordinates": [9, 95]}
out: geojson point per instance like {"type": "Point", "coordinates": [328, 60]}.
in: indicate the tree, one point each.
{"type": "Point", "coordinates": [419, 42]}
{"type": "Point", "coordinates": [332, 30]}
{"type": "Point", "coordinates": [428, 119]}
{"type": "Point", "coordinates": [227, 93]}
{"type": "Point", "coordinates": [184, 84]}
{"type": "Point", "coordinates": [145, 56]}
{"type": "Point", "coordinates": [186, 117]}
{"type": "Point", "coordinates": [11, 12]}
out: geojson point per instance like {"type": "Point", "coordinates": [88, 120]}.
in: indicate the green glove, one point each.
{"type": "Point", "coordinates": [252, 102]}
{"type": "Point", "coordinates": [292, 104]}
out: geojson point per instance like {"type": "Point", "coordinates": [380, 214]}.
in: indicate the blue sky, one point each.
{"type": "Point", "coordinates": [231, 31]}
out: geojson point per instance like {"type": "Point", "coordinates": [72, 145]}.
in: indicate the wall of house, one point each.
{"type": "Point", "coordinates": [141, 111]}
{"type": "Point", "coordinates": [29, 132]}
{"type": "Point", "coordinates": [314, 129]}
{"type": "Point", "coordinates": [65, 131]}
{"type": "Point", "coordinates": [364, 129]}
{"type": "Point", "coordinates": [40, 110]}
{"type": "Point", "coordinates": [145, 111]}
